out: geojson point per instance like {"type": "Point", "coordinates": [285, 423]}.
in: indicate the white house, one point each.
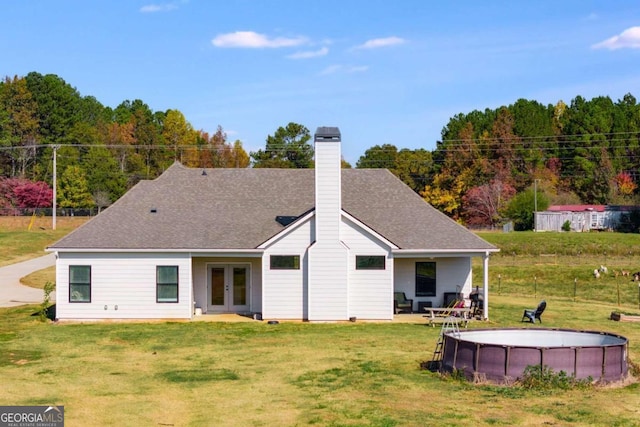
{"type": "Point", "coordinates": [321, 244]}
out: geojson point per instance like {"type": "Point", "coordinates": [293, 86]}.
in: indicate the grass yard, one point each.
{"type": "Point", "coordinates": [39, 278]}
{"type": "Point", "coordinates": [255, 374]}
{"type": "Point", "coordinates": [331, 374]}
{"type": "Point", "coordinates": [544, 265]}
{"type": "Point", "coordinates": [18, 243]}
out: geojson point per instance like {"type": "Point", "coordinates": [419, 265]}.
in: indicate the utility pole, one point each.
{"type": "Point", "coordinates": [55, 184]}
{"type": "Point", "coordinates": [535, 204]}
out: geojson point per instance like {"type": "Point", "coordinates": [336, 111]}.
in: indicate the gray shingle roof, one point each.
{"type": "Point", "coordinates": [237, 209]}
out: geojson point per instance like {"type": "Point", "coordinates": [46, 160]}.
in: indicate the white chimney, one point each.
{"type": "Point", "coordinates": [328, 257]}
{"type": "Point", "coordinates": [328, 185]}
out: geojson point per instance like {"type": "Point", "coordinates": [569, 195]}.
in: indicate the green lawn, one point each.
{"type": "Point", "coordinates": [23, 238]}
{"type": "Point", "coordinates": [332, 374]}
{"type": "Point", "coordinates": [256, 374]}
{"type": "Point", "coordinates": [543, 265]}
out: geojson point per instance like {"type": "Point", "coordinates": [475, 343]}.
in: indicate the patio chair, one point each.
{"type": "Point", "coordinates": [401, 304]}
{"type": "Point", "coordinates": [533, 314]}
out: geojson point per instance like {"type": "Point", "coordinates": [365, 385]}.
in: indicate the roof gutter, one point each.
{"type": "Point", "coordinates": [441, 253]}
{"type": "Point", "coordinates": [199, 252]}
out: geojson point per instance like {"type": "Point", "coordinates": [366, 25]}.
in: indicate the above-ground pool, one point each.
{"type": "Point", "coordinates": [502, 355]}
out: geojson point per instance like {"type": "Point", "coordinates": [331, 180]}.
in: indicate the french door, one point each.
{"type": "Point", "coordinates": [228, 288]}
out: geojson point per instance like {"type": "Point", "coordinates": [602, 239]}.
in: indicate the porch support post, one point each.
{"type": "Point", "coordinates": [485, 270]}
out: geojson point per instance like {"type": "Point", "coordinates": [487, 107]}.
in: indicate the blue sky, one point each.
{"type": "Point", "coordinates": [382, 71]}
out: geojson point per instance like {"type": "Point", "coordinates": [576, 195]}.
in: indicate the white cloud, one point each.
{"type": "Point", "coordinates": [152, 8]}
{"type": "Point", "coordinates": [309, 54]}
{"type": "Point", "coordinates": [383, 42]}
{"type": "Point", "coordinates": [332, 69]}
{"type": "Point", "coordinates": [252, 40]}
{"type": "Point", "coordinates": [628, 38]}
{"type": "Point", "coordinates": [357, 69]}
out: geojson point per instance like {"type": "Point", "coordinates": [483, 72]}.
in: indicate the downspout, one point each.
{"type": "Point", "coordinates": [485, 267]}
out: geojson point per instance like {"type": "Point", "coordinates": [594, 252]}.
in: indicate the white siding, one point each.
{"type": "Point", "coordinates": [123, 286]}
{"type": "Point", "coordinates": [328, 282]}
{"type": "Point", "coordinates": [328, 258]}
{"type": "Point", "coordinates": [452, 275]}
{"type": "Point", "coordinates": [370, 291]}
{"type": "Point", "coordinates": [200, 280]}
{"type": "Point", "coordinates": [284, 292]}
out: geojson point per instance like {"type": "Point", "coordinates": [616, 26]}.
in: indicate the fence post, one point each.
{"type": "Point", "coordinates": [575, 283]}
{"type": "Point", "coordinates": [535, 286]}
{"type": "Point", "coordinates": [499, 280]}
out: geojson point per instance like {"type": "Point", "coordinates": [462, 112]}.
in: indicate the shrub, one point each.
{"type": "Point", "coordinates": [566, 226]}
{"type": "Point", "coordinates": [544, 378]}
{"type": "Point", "coordinates": [44, 305]}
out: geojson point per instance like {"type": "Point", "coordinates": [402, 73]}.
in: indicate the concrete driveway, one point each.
{"type": "Point", "coordinates": [12, 292]}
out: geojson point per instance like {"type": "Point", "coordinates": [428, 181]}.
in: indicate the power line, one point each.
{"type": "Point", "coordinates": [546, 136]}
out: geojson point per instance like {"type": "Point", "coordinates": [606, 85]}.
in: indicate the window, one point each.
{"type": "Point", "coordinates": [167, 283]}
{"type": "Point", "coordinates": [79, 283]}
{"type": "Point", "coordinates": [425, 279]}
{"type": "Point", "coordinates": [370, 262]}
{"type": "Point", "coordinates": [285, 262]}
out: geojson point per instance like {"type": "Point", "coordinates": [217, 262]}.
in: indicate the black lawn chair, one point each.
{"type": "Point", "coordinates": [532, 315]}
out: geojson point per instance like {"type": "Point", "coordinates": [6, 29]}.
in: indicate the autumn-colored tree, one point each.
{"type": "Point", "coordinates": [18, 124]}
{"type": "Point", "coordinates": [484, 205]}
{"type": "Point", "coordinates": [624, 184]}
{"type": "Point", "coordinates": [179, 136]}
{"type": "Point", "coordinates": [558, 117]}
{"type": "Point", "coordinates": [239, 157]}
{"type": "Point", "coordinates": [447, 197]}
{"type": "Point", "coordinates": [574, 151]}
{"type": "Point", "coordinates": [33, 195]}
{"type": "Point", "coordinates": [22, 193]}
{"type": "Point", "coordinates": [120, 137]}
{"type": "Point", "coordinates": [73, 189]}
{"type": "Point", "coordinates": [212, 148]}
{"type": "Point", "coordinates": [216, 152]}
{"type": "Point", "coordinates": [502, 146]}
{"type": "Point", "coordinates": [146, 132]}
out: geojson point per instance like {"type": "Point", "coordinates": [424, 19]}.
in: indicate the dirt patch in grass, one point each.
{"type": "Point", "coordinates": [18, 357]}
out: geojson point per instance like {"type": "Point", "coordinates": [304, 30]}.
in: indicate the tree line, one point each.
{"type": "Point", "coordinates": [488, 163]}
{"type": "Point", "coordinates": [101, 151]}
{"type": "Point", "coordinates": [483, 171]}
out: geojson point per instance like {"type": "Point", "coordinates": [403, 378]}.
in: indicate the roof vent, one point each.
{"type": "Point", "coordinates": [285, 220]}
{"type": "Point", "coordinates": [153, 210]}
